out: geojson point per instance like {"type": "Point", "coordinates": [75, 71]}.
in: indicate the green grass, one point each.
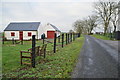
{"type": "Point", "coordinates": [101, 37]}
{"type": "Point", "coordinates": [55, 65]}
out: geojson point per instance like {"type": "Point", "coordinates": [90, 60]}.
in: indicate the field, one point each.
{"type": "Point", "coordinates": [55, 65]}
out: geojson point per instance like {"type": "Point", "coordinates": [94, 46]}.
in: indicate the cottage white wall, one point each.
{"type": "Point", "coordinates": [26, 37]}
{"type": "Point", "coordinates": [16, 37]}
{"type": "Point", "coordinates": [41, 30]}
{"type": "Point", "coordinates": [9, 37]}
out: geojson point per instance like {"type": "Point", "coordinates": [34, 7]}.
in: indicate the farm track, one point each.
{"type": "Point", "coordinates": [96, 60]}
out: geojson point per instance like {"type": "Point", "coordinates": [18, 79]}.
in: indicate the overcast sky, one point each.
{"type": "Point", "coordinates": [61, 13]}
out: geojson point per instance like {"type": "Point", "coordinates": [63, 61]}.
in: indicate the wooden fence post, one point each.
{"type": "Point", "coordinates": [70, 37]}
{"type": "Point", "coordinates": [43, 40]}
{"type": "Point", "coordinates": [78, 34]}
{"type": "Point", "coordinates": [62, 40]}
{"type": "Point", "coordinates": [33, 51]}
{"type": "Point", "coordinates": [59, 39]}
{"type": "Point", "coordinates": [66, 38]}
{"type": "Point", "coordinates": [22, 42]}
{"type": "Point", "coordinates": [54, 43]}
{"type": "Point", "coordinates": [2, 40]}
{"type": "Point", "coordinates": [73, 36]}
{"type": "Point", "coordinates": [12, 40]}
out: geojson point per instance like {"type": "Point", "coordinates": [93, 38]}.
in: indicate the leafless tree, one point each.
{"type": "Point", "coordinates": [85, 25]}
{"type": "Point", "coordinates": [105, 10]}
{"type": "Point", "coordinates": [114, 20]}
{"type": "Point", "coordinates": [92, 23]}
{"type": "Point", "coordinates": [78, 26]}
{"type": "Point", "coordinates": [71, 31]}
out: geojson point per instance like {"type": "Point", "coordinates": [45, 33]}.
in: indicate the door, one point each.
{"type": "Point", "coordinates": [21, 35]}
{"type": "Point", "coordinates": [50, 34]}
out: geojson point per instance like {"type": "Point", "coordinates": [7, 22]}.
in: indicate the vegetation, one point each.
{"type": "Point", "coordinates": [106, 10]}
{"type": "Point", "coordinates": [86, 25]}
{"type": "Point", "coordinates": [55, 65]}
{"type": "Point", "coordinates": [104, 18]}
{"type": "Point", "coordinates": [101, 37]}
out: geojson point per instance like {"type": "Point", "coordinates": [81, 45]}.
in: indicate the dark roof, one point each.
{"type": "Point", "coordinates": [55, 28]}
{"type": "Point", "coordinates": [22, 26]}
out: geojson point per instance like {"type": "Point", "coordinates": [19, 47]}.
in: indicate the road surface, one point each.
{"type": "Point", "coordinates": [96, 60]}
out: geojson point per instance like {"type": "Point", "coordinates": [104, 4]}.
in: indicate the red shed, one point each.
{"type": "Point", "coordinates": [51, 30]}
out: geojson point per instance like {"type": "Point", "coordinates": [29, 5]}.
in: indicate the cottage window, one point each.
{"type": "Point", "coordinates": [12, 34]}
{"type": "Point", "coordinates": [29, 33]}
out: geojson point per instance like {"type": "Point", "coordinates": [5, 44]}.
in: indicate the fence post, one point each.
{"type": "Point", "coordinates": [58, 39]}
{"type": "Point", "coordinates": [54, 43]}
{"type": "Point", "coordinates": [71, 37]}
{"type": "Point", "coordinates": [12, 40]}
{"type": "Point", "coordinates": [78, 34]}
{"type": "Point", "coordinates": [62, 40]}
{"type": "Point", "coordinates": [43, 40]}
{"type": "Point", "coordinates": [33, 51]}
{"type": "Point", "coordinates": [66, 38]}
{"type": "Point", "coordinates": [2, 40]}
{"type": "Point", "coordinates": [22, 42]}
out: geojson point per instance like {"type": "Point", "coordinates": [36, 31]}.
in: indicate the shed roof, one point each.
{"type": "Point", "coordinates": [55, 28]}
{"type": "Point", "coordinates": [22, 26]}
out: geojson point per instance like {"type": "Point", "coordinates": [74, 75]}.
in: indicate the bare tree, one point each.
{"type": "Point", "coordinates": [114, 20]}
{"type": "Point", "coordinates": [78, 26]}
{"type": "Point", "coordinates": [105, 11]}
{"type": "Point", "coordinates": [86, 25]}
{"type": "Point", "coordinates": [92, 22]}
{"type": "Point", "coordinates": [71, 31]}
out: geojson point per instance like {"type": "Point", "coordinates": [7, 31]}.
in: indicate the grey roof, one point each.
{"type": "Point", "coordinates": [55, 28]}
{"type": "Point", "coordinates": [22, 26]}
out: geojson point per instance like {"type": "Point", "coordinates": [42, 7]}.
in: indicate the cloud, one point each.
{"type": "Point", "coordinates": [61, 14]}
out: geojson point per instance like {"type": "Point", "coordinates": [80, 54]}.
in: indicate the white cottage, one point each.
{"type": "Point", "coordinates": [23, 30]}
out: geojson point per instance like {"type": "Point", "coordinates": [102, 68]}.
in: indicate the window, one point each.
{"type": "Point", "coordinates": [29, 33]}
{"type": "Point", "coordinates": [12, 34]}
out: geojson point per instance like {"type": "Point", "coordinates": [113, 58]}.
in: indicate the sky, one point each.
{"type": "Point", "coordinates": [61, 13]}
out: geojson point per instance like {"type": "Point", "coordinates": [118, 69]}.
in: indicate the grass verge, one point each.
{"type": "Point", "coordinates": [55, 65]}
{"type": "Point", "coordinates": [101, 37]}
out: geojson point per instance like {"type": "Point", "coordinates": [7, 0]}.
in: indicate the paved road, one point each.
{"type": "Point", "coordinates": [97, 60]}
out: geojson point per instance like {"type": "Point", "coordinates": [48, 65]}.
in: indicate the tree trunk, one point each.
{"type": "Point", "coordinates": [105, 28]}
{"type": "Point", "coordinates": [114, 28]}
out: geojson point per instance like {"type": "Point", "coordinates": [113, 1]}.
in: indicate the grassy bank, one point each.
{"type": "Point", "coordinates": [55, 65]}
{"type": "Point", "coordinates": [101, 37]}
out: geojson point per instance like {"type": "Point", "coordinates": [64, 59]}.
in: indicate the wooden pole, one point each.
{"type": "Point", "coordinates": [43, 40]}
{"type": "Point", "coordinates": [71, 37]}
{"type": "Point", "coordinates": [22, 42]}
{"type": "Point", "coordinates": [54, 43]}
{"type": "Point", "coordinates": [62, 40]}
{"type": "Point", "coordinates": [78, 34]}
{"type": "Point", "coordinates": [12, 40]}
{"type": "Point", "coordinates": [58, 39]}
{"type": "Point", "coordinates": [33, 51]}
{"type": "Point", "coordinates": [66, 38]}
{"type": "Point", "coordinates": [2, 40]}
{"type": "Point", "coordinates": [43, 37]}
